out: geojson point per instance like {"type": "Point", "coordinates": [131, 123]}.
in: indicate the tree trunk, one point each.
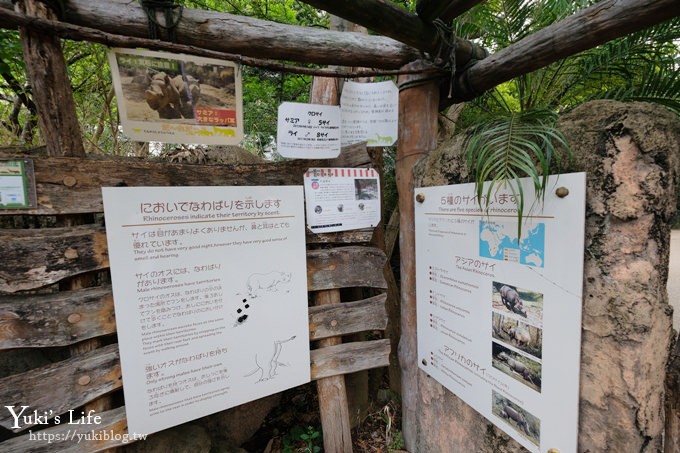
{"type": "Point", "coordinates": [50, 84]}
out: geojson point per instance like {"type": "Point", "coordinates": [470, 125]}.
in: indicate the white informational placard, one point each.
{"type": "Point", "coordinates": [370, 113]}
{"type": "Point", "coordinates": [499, 320]}
{"type": "Point", "coordinates": [175, 98]}
{"type": "Point", "coordinates": [210, 293]}
{"type": "Point", "coordinates": [308, 131]}
{"type": "Point", "coordinates": [340, 199]}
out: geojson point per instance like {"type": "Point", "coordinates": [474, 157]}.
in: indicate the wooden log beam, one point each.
{"type": "Point", "coordinates": [113, 424]}
{"type": "Point", "coordinates": [602, 22]}
{"type": "Point", "coordinates": [50, 84]}
{"type": "Point", "coordinates": [73, 186]}
{"type": "Point", "coordinates": [241, 35]}
{"type": "Point", "coordinates": [59, 319]}
{"type": "Point", "coordinates": [418, 115]}
{"type": "Point", "coordinates": [65, 318]}
{"type": "Point", "coordinates": [35, 258]}
{"type": "Point", "coordinates": [80, 379]}
{"type": "Point", "coordinates": [397, 23]}
{"type": "Point", "coordinates": [446, 10]}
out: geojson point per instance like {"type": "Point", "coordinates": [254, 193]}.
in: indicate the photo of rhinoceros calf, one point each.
{"type": "Point", "coordinates": [518, 334]}
{"type": "Point", "coordinates": [520, 420]}
{"type": "Point", "coordinates": [173, 96]}
{"type": "Point", "coordinates": [517, 302]}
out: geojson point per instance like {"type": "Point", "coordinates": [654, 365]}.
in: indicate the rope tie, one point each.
{"type": "Point", "coordinates": [446, 53]}
{"type": "Point", "coordinates": [151, 7]}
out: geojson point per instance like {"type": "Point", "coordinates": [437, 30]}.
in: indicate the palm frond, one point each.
{"type": "Point", "coordinates": [502, 151]}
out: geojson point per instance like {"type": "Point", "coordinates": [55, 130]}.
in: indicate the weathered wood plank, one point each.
{"type": "Point", "coordinates": [340, 237]}
{"type": "Point", "coordinates": [349, 358]}
{"type": "Point", "coordinates": [50, 83]}
{"type": "Point", "coordinates": [73, 186]}
{"type": "Point", "coordinates": [64, 438]}
{"type": "Point", "coordinates": [36, 258]}
{"type": "Point", "coordinates": [590, 27]}
{"type": "Point", "coordinates": [79, 380]}
{"type": "Point", "coordinates": [345, 267]}
{"type": "Point", "coordinates": [59, 319]}
{"type": "Point", "coordinates": [346, 318]}
{"type": "Point", "coordinates": [239, 34]}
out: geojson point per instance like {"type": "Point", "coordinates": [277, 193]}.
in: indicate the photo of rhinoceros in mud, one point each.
{"type": "Point", "coordinates": [525, 423]}
{"type": "Point", "coordinates": [176, 93]}
{"type": "Point", "coordinates": [518, 302]}
{"type": "Point", "coordinates": [518, 366]}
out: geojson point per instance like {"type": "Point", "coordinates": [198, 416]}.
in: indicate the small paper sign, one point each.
{"type": "Point", "coordinates": [174, 98]}
{"type": "Point", "coordinates": [17, 184]}
{"type": "Point", "coordinates": [340, 199]}
{"type": "Point", "coordinates": [370, 113]}
{"type": "Point", "coordinates": [308, 131]}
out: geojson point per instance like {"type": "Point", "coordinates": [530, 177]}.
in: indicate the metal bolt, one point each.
{"type": "Point", "coordinates": [424, 362]}
{"type": "Point", "coordinates": [562, 192]}
{"type": "Point", "coordinates": [84, 380]}
{"type": "Point", "coordinates": [420, 197]}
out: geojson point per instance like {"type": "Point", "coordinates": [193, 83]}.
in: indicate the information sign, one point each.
{"type": "Point", "coordinates": [499, 317]}
{"type": "Point", "coordinates": [308, 131]}
{"type": "Point", "coordinates": [370, 113]}
{"type": "Point", "coordinates": [340, 199]}
{"type": "Point", "coordinates": [210, 294]}
{"type": "Point", "coordinates": [177, 98]}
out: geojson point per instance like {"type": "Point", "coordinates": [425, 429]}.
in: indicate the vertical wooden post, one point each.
{"type": "Point", "coordinates": [333, 404]}
{"type": "Point", "coordinates": [337, 436]}
{"type": "Point", "coordinates": [418, 110]}
{"type": "Point", "coordinates": [50, 84]}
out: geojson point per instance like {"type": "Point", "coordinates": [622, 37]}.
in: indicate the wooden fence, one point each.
{"type": "Point", "coordinates": [55, 292]}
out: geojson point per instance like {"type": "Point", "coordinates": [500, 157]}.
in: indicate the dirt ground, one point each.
{"type": "Point", "coordinates": [138, 110]}
{"type": "Point", "coordinates": [298, 413]}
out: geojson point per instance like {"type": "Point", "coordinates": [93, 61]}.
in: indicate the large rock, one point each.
{"type": "Point", "coordinates": [630, 154]}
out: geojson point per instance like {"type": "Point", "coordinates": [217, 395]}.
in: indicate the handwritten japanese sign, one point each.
{"type": "Point", "coordinates": [370, 113]}
{"type": "Point", "coordinates": [308, 131]}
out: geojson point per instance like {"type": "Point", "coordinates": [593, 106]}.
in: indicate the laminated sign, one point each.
{"type": "Point", "coordinates": [499, 315]}
{"type": "Point", "coordinates": [211, 283]}
{"type": "Point", "coordinates": [175, 98]}
{"type": "Point", "coordinates": [340, 199]}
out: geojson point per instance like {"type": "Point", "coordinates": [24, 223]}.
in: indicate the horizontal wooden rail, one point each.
{"type": "Point", "coordinates": [34, 258]}
{"type": "Point", "coordinates": [60, 319]}
{"type": "Point", "coordinates": [59, 387]}
{"type": "Point", "coordinates": [228, 33]}
{"type": "Point", "coordinates": [327, 321]}
{"type": "Point", "coordinates": [84, 378]}
{"type": "Point", "coordinates": [111, 432]}
{"type": "Point", "coordinates": [349, 358]}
